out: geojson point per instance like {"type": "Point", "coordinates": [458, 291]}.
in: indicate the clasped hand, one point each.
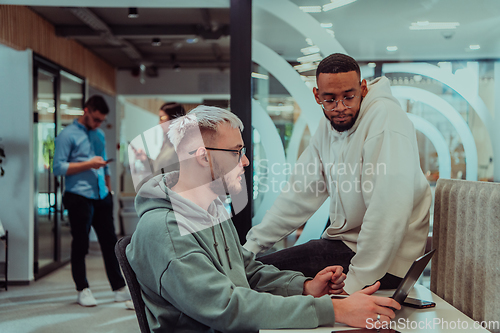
{"type": "Point", "coordinates": [328, 281]}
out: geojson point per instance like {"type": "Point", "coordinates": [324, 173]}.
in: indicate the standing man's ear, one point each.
{"type": "Point", "coordinates": [364, 88]}
{"type": "Point", "coordinates": [316, 95]}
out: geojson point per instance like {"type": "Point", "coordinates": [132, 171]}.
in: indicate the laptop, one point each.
{"type": "Point", "coordinates": [411, 277]}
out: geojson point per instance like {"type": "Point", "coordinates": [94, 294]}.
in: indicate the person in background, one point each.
{"type": "Point", "coordinates": [166, 160]}
{"type": "Point", "coordinates": [194, 274]}
{"type": "Point", "coordinates": [80, 156]}
{"type": "Point", "coordinates": [364, 159]}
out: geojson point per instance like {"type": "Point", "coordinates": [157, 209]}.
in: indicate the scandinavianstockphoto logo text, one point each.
{"type": "Point", "coordinates": [344, 177]}
{"type": "Point", "coordinates": [431, 324]}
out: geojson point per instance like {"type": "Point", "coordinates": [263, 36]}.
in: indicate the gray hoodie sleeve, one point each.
{"type": "Point", "coordinates": [206, 295]}
{"type": "Point", "coordinates": [268, 278]}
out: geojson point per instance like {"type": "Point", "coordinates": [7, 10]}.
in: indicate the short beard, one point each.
{"type": "Point", "coordinates": [343, 127]}
{"type": "Point", "coordinates": [349, 125]}
{"type": "Point", "coordinates": [222, 187]}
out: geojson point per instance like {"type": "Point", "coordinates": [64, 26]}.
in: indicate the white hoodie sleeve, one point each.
{"type": "Point", "coordinates": [389, 205]}
{"type": "Point", "coordinates": [293, 207]}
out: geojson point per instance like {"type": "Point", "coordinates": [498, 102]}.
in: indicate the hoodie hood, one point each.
{"type": "Point", "coordinates": [378, 89]}
{"type": "Point", "coordinates": [156, 194]}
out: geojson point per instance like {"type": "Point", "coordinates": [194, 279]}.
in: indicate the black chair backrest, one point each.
{"type": "Point", "coordinates": [133, 284]}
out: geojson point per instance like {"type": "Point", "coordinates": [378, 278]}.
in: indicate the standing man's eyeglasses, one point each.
{"type": "Point", "coordinates": [97, 120]}
{"type": "Point", "coordinates": [240, 152]}
{"type": "Point", "coordinates": [331, 104]}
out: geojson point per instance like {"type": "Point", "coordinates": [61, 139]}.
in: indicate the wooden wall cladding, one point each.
{"type": "Point", "coordinates": [21, 28]}
{"type": "Point", "coordinates": [149, 104]}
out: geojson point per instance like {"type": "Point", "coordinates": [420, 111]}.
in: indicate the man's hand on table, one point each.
{"type": "Point", "coordinates": [361, 308]}
{"type": "Point", "coordinates": [328, 281]}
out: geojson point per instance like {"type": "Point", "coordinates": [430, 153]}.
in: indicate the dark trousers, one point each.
{"type": "Point", "coordinates": [313, 256]}
{"type": "Point", "coordinates": [84, 213]}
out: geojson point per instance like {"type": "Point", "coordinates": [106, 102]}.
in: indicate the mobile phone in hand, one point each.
{"type": "Point", "coordinates": [110, 160]}
{"type": "Point", "coordinates": [418, 303]}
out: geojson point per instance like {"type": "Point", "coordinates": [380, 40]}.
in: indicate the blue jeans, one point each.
{"type": "Point", "coordinates": [84, 213]}
{"type": "Point", "coordinates": [313, 256]}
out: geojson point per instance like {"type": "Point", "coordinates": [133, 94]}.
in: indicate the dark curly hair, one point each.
{"type": "Point", "coordinates": [338, 63]}
{"type": "Point", "coordinates": [98, 103]}
{"type": "Point", "coordinates": [173, 110]}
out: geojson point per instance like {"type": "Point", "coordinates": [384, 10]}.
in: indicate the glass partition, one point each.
{"type": "Point", "coordinates": [58, 99]}
{"type": "Point", "coordinates": [451, 103]}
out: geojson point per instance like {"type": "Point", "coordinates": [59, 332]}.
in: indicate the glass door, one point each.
{"type": "Point", "coordinates": [58, 100]}
{"type": "Point", "coordinates": [46, 185]}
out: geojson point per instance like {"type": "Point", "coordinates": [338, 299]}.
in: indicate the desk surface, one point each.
{"type": "Point", "coordinates": [440, 319]}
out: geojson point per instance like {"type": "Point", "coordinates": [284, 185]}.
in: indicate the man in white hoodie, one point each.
{"type": "Point", "coordinates": [364, 158]}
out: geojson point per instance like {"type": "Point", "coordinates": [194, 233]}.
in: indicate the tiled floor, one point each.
{"type": "Point", "coordinates": [49, 305]}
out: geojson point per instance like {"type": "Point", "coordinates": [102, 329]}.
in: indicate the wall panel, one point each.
{"type": "Point", "coordinates": [21, 29]}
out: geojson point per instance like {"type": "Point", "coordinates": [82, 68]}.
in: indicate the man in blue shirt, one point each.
{"type": "Point", "coordinates": [80, 155]}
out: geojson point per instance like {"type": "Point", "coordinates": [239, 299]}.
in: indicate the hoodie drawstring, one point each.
{"type": "Point", "coordinates": [226, 248]}
{"type": "Point", "coordinates": [215, 244]}
{"type": "Point", "coordinates": [337, 193]}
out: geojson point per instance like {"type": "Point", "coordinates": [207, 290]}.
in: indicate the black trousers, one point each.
{"type": "Point", "coordinates": [84, 213]}
{"type": "Point", "coordinates": [313, 256]}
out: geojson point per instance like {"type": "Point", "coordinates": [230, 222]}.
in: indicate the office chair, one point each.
{"type": "Point", "coordinates": [133, 284]}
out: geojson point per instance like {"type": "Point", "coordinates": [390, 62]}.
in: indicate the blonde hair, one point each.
{"type": "Point", "coordinates": [204, 118]}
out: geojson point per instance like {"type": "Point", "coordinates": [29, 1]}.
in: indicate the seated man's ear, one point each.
{"type": "Point", "coordinates": [201, 156]}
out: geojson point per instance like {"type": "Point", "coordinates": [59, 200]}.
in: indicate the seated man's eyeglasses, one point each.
{"type": "Point", "coordinates": [240, 152]}
{"type": "Point", "coordinates": [331, 104]}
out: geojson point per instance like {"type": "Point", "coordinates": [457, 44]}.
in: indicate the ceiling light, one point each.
{"type": "Point", "coordinates": [310, 9]}
{"type": "Point", "coordinates": [326, 25]}
{"type": "Point", "coordinates": [331, 32]}
{"type": "Point", "coordinates": [392, 48]}
{"type": "Point", "coordinates": [336, 4]}
{"type": "Point", "coordinates": [310, 50]}
{"type": "Point", "coordinates": [426, 25]}
{"type": "Point", "coordinates": [41, 105]}
{"type": "Point", "coordinates": [444, 64]}
{"type": "Point", "coordinates": [309, 41]}
{"type": "Point", "coordinates": [74, 112]}
{"type": "Point", "coordinates": [260, 76]}
{"type": "Point", "coordinates": [133, 13]}
{"type": "Point", "coordinates": [142, 75]}
{"type": "Point", "coordinates": [156, 42]}
{"type": "Point", "coordinates": [310, 58]}
{"type": "Point", "coordinates": [306, 67]}
{"type": "Point", "coordinates": [372, 65]}
{"type": "Point", "coordinates": [474, 47]}
{"type": "Point", "coordinates": [280, 108]}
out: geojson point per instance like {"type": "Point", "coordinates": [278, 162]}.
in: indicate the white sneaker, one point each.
{"type": "Point", "coordinates": [129, 305]}
{"type": "Point", "coordinates": [122, 295]}
{"type": "Point", "coordinates": [85, 298]}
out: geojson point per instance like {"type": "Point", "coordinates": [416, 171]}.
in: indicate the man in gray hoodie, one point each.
{"type": "Point", "coordinates": [194, 274]}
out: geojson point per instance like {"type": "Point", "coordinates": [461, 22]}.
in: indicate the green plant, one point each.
{"type": "Point", "coordinates": [48, 151]}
